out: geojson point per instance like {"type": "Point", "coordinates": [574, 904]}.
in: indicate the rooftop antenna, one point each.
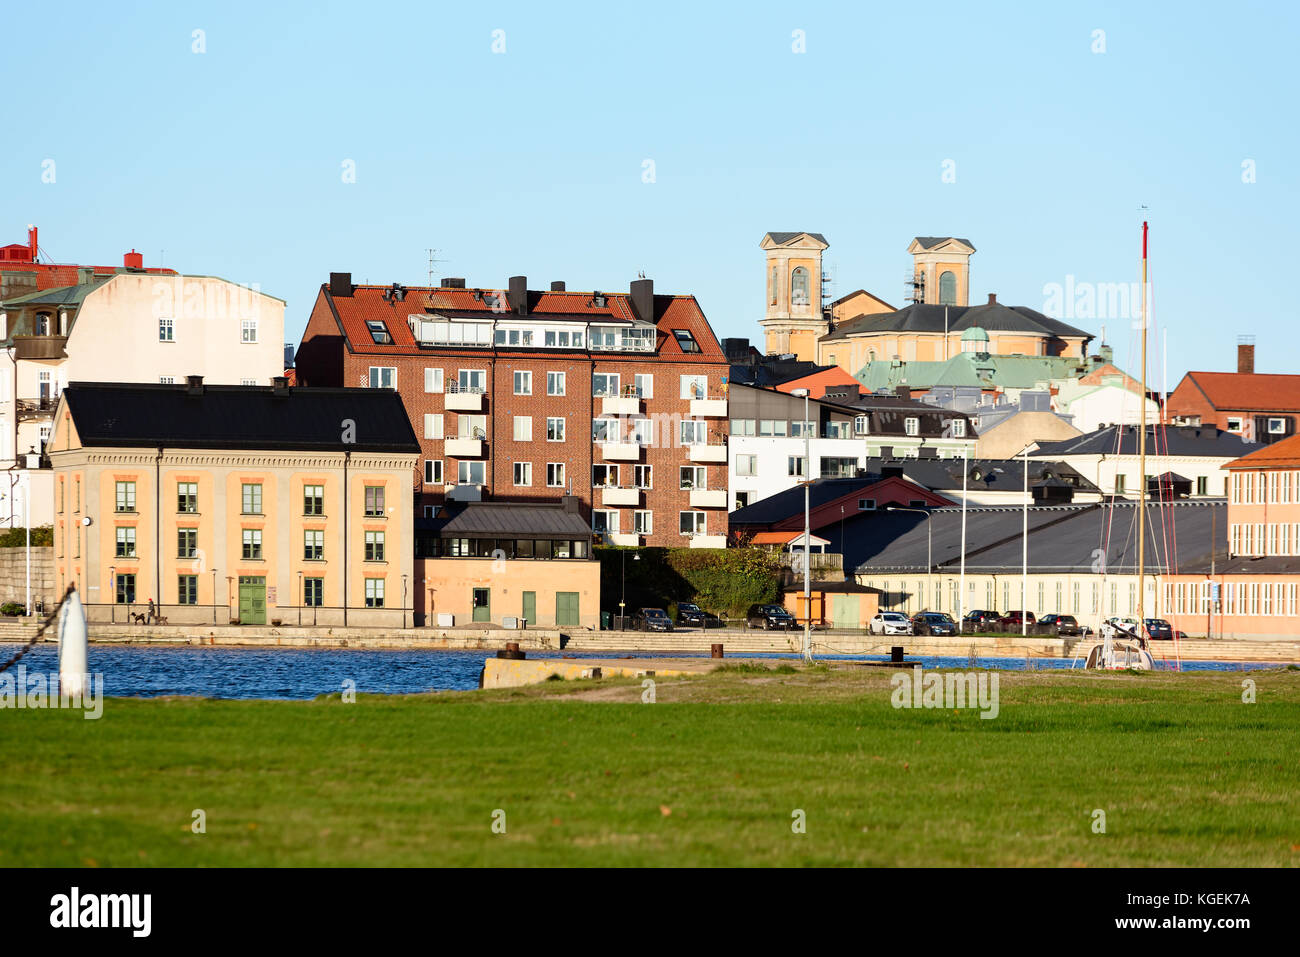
{"type": "Point", "coordinates": [432, 260]}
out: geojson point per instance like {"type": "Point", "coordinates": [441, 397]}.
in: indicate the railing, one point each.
{"type": "Point", "coordinates": [29, 406]}
{"type": "Point", "coordinates": [456, 388]}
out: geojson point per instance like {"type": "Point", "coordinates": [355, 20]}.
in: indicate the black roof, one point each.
{"type": "Point", "coordinates": [239, 417]}
{"type": "Point", "coordinates": [783, 504]}
{"type": "Point", "coordinates": [929, 242]}
{"type": "Point", "coordinates": [540, 520]}
{"type": "Point", "coordinates": [984, 475]}
{"type": "Point", "coordinates": [768, 371]}
{"type": "Point", "coordinates": [1171, 440]}
{"type": "Point", "coordinates": [929, 317]}
{"type": "Point", "coordinates": [782, 238]}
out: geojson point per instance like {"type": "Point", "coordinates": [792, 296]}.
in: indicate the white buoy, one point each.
{"type": "Point", "coordinates": [73, 671]}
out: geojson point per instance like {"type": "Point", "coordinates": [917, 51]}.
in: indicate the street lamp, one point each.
{"type": "Point", "coordinates": [929, 546]}
{"type": "Point", "coordinates": [807, 531]}
{"type": "Point", "coordinates": [112, 594]}
{"type": "Point", "coordinates": [214, 596]}
{"type": "Point", "coordinates": [403, 601]}
{"type": "Point", "coordinates": [622, 609]}
{"type": "Point", "coordinates": [302, 596]}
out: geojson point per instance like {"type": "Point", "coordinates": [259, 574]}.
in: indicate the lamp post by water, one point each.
{"type": "Point", "coordinates": [622, 604]}
{"type": "Point", "coordinates": [214, 596]}
{"type": "Point", "coordinates": [302, 596]}
{"type": "Point", "coordinates": [112, 594]}
{"type": "Point", "coordinates": [807, 531]}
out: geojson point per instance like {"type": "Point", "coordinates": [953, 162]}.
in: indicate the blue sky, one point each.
{"type": "Point", "coordinates": [531, 161]}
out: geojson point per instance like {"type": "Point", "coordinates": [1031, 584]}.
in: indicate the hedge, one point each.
{"type": "Point", "coordinates": [725, 581]}
{"type": "Point", "coordinates": [17, 537]}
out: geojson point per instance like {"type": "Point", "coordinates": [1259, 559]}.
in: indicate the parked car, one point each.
{"type": "Point", "coordinates": [1158, 629]}
{"type": "Point", "coordinates": [652, 619]}
{"type": "Point", "coordinates": [933, 623]}
{"type": "Point", "coordinates": [1012, 620]}
{"type": "Point", "coordinates": [1062, 624]}
{"type": "Point", "coordinates": [689, 613]}
{"type": "Point", "coordinates": [770, 617]}
{"type": "Point", "coordinates": [979, 620]}
{"type": "Point", "coordinates": [890, 623]}
{"type": "Point", "coordinates": [1122, 627]}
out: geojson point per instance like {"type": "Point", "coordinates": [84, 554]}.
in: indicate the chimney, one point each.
{"type": "Point", "coordinates": [518, 295]}
{"type": "Point", "coordinates": [133, 260]}
{"type": "Point", "coordinates": [1245, 355]}
{"type": "Point", "coordinates": [903, 392]}
{"type": "Point", "coordinates": [341, 284]}
{"type": "Point", "coordinates": [453, 282]}
{"type": "Point", "coordinates": [194, 385]}
{"type": "Point", "coordinates": [31, 242]}
{"type": "Point", "coordinates": [557, 286]}
{"type": "Point", "coordinates": [643, 299]}
{"type": "Point", "coordinates": [993, 299]}
{"type": "Point", "coordinates": [280, 385]}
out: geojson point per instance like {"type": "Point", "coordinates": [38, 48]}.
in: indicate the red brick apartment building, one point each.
{"type": "Point", "coordinates": [1260, 407]}
{"type": "Point", "coordinates": [520, 395]}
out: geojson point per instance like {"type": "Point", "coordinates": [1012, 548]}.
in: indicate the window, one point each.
{"type": "Point", "coordinates": [125, 543]}
{"type": "Point", "coordinates": [375, 501]}
{"type": "Point", "coordinates": [604, 384]}
{"type": "Point", "coordinates": [187, 543]}
{"type": "Point", "coordinates": [604, 430]}
{"type": "Point", "coordinates": [1277, 426]}
{"type": "Point", "coordinates": [379, 332]}
{"type": "Point", "coordinates": [838, 467]}
{"type": "Point", "coordinates": [251, 494]}
{"type": "Point", "coordinates": [643, 522]}
{"type": "Point", "coordinates": [775, 282]}
{"type": "Point", "coordinates": [252, 544]}
{"type": "Point", "coordinates": [383, 377]}
{"type": "Point", "coordinates": [773, 427]}
{"type": "Point", "coordinates": [166, 380]}
{"type": "Point", "coordinates": [866, 505]}
{"type": "Point", "coordinates": [187, 497]}
{"type": "Point", "coordinates": [313, 545]}
{"type": "Point", "coordinates": [642, 476]}
{"type": "Point", "coordinates": [248, 382]}
{"type": "Point", "coordinates": [795, 466]}
{"type": "Point", "coordinates": [957, 428]}
{"type": "Point", "coordinates": [374, 546]}
{"type": "Point", "coordinates": [125, 496]}
{"type": "Point", "coordinates": [1202, 485]}
{"type": "Point", "coordinates": [644, 384]}
{"type": "Point", "coordinates": [912, 425]}
{"type": "Point", "coordinates": [947, 288]}
{"type": "Point", "coordinates": [433, 471]}
{"type": "Point", "coordinates": [555, 383]}
{"type": "Point", "coordinates": [694, 387]}
{"type": "Point", "coordinates": [555, 430]}
{"type": "Point", "coordinates": [523, 474]}
{"type": "Point", "coordinates": [691, 523]}
{"type": "Point", "coordinates": [555, 475]}
{"type": "Point", "coordinates": [248, 330]}
{"type": "Point", "coordinates": [693, 476]}
{"type": "Point", "coordinates": [834, 430]}
{"type": "Point", "coordinates": [742, 500]}
{"type": "Point", "coordinates": [799, 286]}
{"type": "Point", "coordinates": [746, 464]}
{"type": "Point", "coordinates": [602, 475]}
{"type": "Point", "coordinates": [472, 380]}
{"type": "Point", "coordinates": [1234, 423]}
{"type": "Point", "coordinates": [433, 425]}
{"type": "Point", "coordinates": [742, 426]}
{"type": "Point", "coordinates": [187, 589]}
{"type": "Point", "coordinates": [166, 330]}
{"type": "Point", "coordinates": [471, 473]}
{"type": "Point", "coordinates": [693, 432]}
{"type": "Point", "coordinates": [686, 340]}
{"type": "Point", "coordinates": [523, 383]}
{"type": "Point", "coordinates": [374, 593]}
{"type": "Point", "coordinates": [471, 426]}
{"type": "Point", "coordinates": [125, 589]}
{"type": "Point", "coordinates": [313, 592]}
{"type": "Point", "coordinates": [432, 380]}
{"type": "Point", "coordinates": [523, 425]}
{"type": "Point", "coordinates": [861, 425]}
{"type": "Point", "coordinates": [604, 521]}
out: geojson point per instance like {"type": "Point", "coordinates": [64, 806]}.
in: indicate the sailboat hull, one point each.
{"type": "Point", "coordinates": [1122, 656]}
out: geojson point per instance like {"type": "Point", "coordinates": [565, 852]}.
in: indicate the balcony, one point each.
{"type": "Point", "coordinates": [625, 539]}
{"type": "Point", "coordinates": [707, 453]}
{"type": "Point", "coordinates": [626, 404]}
{"type": "Point", "coordinates": [41, 408]}
{"type": "Point", "coordinates": [40, 347]}
{"type": "Point", "coordinates": [615, 495]}
{"type": "Point", "coordinates": [708, 498]}
{"type": "Point", "coordinates": [466, 400]}
{"type": "Point", "coordinates": [714, 408]}
{"type": "Point", "coordinates": [465, 447]}
{"type": "Point", "coordinates": [464, 493]}
{"type": "Point", "coordinates": [708, 541]}
{"type": "Point", "coordinates": [621, 452]}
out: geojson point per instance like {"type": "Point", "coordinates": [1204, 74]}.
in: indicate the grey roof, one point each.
{"type": "Point", "coordinates": [508, 520]}
{"type": "Point", "coordinates": [929, 242]}
{"type": "Point", "coordinates": [771, 372]}
{"type": "Point", "coordinates": [995, 475]}
{"type": "Point", "coordinates": [1171, 440]}
{"type": "Point", "coordinates": [929, 317]}
{"type": "Point", "coordinates": [1062, 538]}
{"type": "Point", "coordinates": [789, 501]}
{"type": "Point", "coordinates": [782, 238]}
{"type": "Point", "coordinates": [57, 296]}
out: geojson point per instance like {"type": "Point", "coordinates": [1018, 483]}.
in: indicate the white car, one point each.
{"type": "Point", "coordinates": [890, 623]}
{"type": "Point", "coordinates": [1120, 627]}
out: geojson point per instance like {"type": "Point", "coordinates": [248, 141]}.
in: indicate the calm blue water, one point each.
{"type": "Point", "coordinates": [305, 673]}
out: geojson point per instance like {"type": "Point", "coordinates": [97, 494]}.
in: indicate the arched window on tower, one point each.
{"type": "Point", "coordinates": [799, 286]}
{"type": "Point", "coordinates": [948, 289]}
{"type": "Point", "coordinates": [776, 280]}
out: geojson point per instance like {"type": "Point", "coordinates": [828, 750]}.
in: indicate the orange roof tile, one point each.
{"type": "Point", "coordinates": [1249, 391]}
{"type": "Point", "coordinates": [1283, 454]}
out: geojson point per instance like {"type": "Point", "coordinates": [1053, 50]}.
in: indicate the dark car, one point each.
{"type": "Point", "coordinates": [689, 613]}
{"type": "Point", "coordinates": [1012, 620]}
{"type": "Point", "coordinates": [1062, 624]}
{"type": "Point", "coordinates": [979, 620]}
{"type": "Point", "coordinates": [652, 619]}
{"type": "Point", "coordinates": [1158, 629]}
{"type": "Point", "coordinates": [770, 617]}
{"type": "Point", "coordinates": [933, 623]}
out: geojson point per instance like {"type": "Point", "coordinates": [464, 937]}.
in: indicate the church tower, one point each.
{"type": "Point", "coordinates": [941, 270]}
{"type": "Point", "coordinates": [794, 320]}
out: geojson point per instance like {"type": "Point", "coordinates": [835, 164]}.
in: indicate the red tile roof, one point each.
{"type": "Point", "coordinates": [367, 303]}
{"type": "Point", "coordinates": [1279, 455]}
{"type": "Point", "coordinates": [1249, 391]}
{"type": "Point", "coordinates": [52, 276]}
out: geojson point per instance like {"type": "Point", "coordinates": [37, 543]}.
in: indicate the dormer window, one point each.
{"type": "Point", "coordinates": [379, 332]}
{"type": "Point", "coordinates": [686, 340]}
{"type": "Point", "coordinates": [42, 324]}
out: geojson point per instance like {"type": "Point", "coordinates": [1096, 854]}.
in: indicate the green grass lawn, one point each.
{"type": "Point", "coordinates": [708, 775]}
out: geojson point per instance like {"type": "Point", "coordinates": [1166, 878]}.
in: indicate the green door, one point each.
{"type": "Point", "coordinates": [844, 608]}
{"type": "Point", "coordinates": [252, 600]}
{"type": "Point", "coordinates": [530, 607]}
{"type": "Point", "coordinates": [566, 608]}
{"type": "Point", "coordinates": [482, 604]}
